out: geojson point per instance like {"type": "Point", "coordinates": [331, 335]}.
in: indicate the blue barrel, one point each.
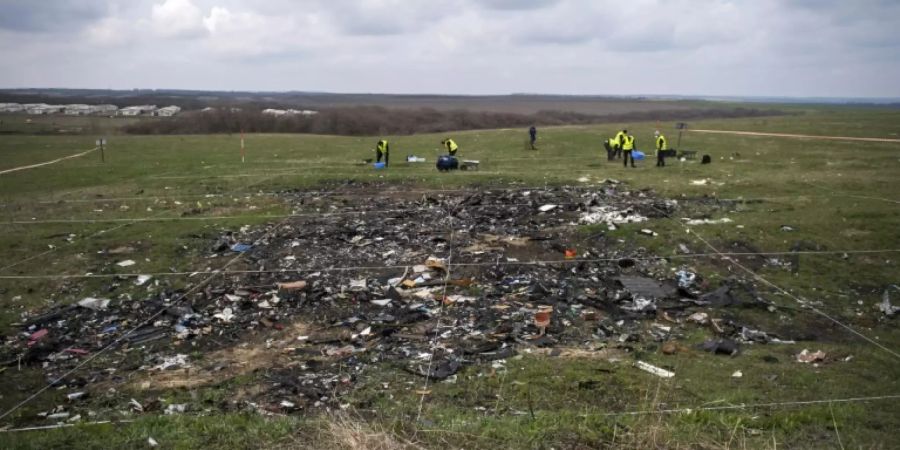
{"type": "Point", "coordinates": [447, 162]}
{"type": "Point", "coordinates": [379, 165]}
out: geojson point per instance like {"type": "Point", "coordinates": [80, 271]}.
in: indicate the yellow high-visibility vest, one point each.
{"type": "Point", "coordinates": [613, 142]}
{"type": "Point", "coordinates": [619, 138]}
{"type": "Point", "coordinates": [661, 142]}
{"type": "Point", "coordinates": [451, 146]}
{"type": "Point", "coordinates": [382, 146]}
{"type": "Point", "coordinates": [628, 143]}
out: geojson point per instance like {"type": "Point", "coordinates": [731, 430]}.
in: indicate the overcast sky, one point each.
{"type": "Point", "coordinates": [836, 48]}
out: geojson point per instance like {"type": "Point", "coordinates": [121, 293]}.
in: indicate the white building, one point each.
{"type": "Point", "coordinates": [289, 112]}
{"type": "Point", "coordinates": [104, 109]}
{"type": "Point", "coordinates": [168, 111]}
{"type": "Point", "coordinates": [131, 111]}
{"type": "Point", "coordinates": [11, 108]}
{"type": "Point", "coordinates": [42, 108]}
{"type": "Point", "coordinates": [77, 110]}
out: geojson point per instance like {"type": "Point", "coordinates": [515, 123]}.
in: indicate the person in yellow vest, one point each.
{"type": "Point", "coordinates": [661, 147]}
{"type": "Point", "coordinates": [627, 148]}
{"type": "Point", "coordinates": [612, 146]}
{"type": "Point", "coordinates": [451, 146]}
{"type": "Point", "coordinates": [620, 139]}
{"type": "Point", "coordinates": [381, 150]}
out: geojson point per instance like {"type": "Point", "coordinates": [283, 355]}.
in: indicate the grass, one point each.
{"type": "Point", "coordinates": [835, 195]}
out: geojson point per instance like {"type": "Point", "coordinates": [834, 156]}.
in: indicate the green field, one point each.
{"type": "Point", "coordinates": [836, 196]}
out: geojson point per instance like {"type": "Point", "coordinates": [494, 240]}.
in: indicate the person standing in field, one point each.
{"type": "Point", "coordinates": [612, 146]}
{"type": "Point", "coordinates": [620, 139]}
{"type": "Point", "coordinates": [532, 133]}
{"type": "Point", "coordinates": [661, 148]}
{"type": "Point", "coordinates": [381, 150]}
{"type": "Point", "coordinates": [627, 148]}
{"type": "Point", "coordinates": [451, 146]}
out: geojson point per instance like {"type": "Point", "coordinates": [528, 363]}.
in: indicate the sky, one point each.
{"type": "Point", "coordinates": [794, 48]}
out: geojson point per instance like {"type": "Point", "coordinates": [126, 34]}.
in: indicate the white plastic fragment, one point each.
{"type": "Point", "coordinates": [96, 304]}
{"type": "Point", "coordinates": [658, 371]}
{"type": "Point", "coordinates": [125, 263]}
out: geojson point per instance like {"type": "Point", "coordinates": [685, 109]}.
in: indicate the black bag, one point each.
{"type": "Point", "coordinates": [706, 159]}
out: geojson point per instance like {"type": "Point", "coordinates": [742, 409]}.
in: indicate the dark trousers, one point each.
{"type": "Point", "coordinates": [627, 154]}
{"type": "Point", "coordinates": [617, 151]}
{"type": "Point", "coordinates": [452, 152]}
{"type": "Point", "coordinates": [610, 152]}
{"type": "Point", "coordinates": [379, 154]}
{"type": "Point", "coordinates": [533, 140]}
{"type": "Point", "coordinates": [660, 159]}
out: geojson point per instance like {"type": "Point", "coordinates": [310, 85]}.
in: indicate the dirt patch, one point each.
{"type": "Point", "coordinates": [227, 363]}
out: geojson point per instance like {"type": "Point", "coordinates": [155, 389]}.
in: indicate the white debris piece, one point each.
{"type": "Point", "coordinates": [461, 299]}
{"type": "Point", "coordinates": [707, 221]}
{"type": "Point", "coordinates": [126, 263]}
{"type": "Point", "coordinates": [700, 317]}
{"type": "Point", "coordinates": [169, 362]}
{"type": "Point", "coordinates": [737, 374]}
{"type": "Point", "coordinates": [701, 182]}
{"type": "Point", "coordinates": [358, 284]}
{"type": "Point", "coordinates": [381, 301]}
{"type": "Point", "coordinates": [546, 208]}
{"type": "Point", "coordinates": [176, 408]}
{"type": "Point", "coordinates": [225, 316]}
{"type": "Point", "coordinates": [658, 371]}
{"type": "Point", "coordinates": [142, 280]}
{"type": "Point", "coordinates": [96, 304]}
{"type": "Point", "coordinates": [152, 442]}
{"type": "Point", "coordinates": [610, 216]}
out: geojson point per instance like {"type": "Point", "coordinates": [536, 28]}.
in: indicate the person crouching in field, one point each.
{"type": "Point", "coordinates": [612, 146]}
{"type": "Point", "coordinates": [381, 150]}
{"type": "Point", "coordinates": [451, 146]}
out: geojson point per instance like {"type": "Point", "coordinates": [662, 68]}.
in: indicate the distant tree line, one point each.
{"type": "Point", "coordinates": [376, 120]}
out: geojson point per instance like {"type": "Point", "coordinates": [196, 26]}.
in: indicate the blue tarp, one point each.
{"type": "Point", "coordinates": [637, 155]}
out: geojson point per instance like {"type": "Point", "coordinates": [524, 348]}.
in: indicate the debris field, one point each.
{"type": "Point", "coordinates": [424, 283]}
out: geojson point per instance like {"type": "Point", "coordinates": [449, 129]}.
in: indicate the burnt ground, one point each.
{"type": "Point", "coordinates": [427, 283]}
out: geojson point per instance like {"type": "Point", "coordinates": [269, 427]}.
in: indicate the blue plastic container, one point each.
{"type": "Point", "coordinates": [379, 165]}
{"type": "Point", "coordinates": [637, 155]}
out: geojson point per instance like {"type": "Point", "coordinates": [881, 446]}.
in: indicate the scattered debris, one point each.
{"type": "Point", "coordinates": [737, 374]}
{"type": "Point", "coordinates": [406, 303]}
{"type": "Point", "coordinates": [126, 263]}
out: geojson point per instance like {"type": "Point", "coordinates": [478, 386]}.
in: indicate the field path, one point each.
{"type": "Point", "coordinates": [45, 163]}
{"type": "Point", "coordinates": [806, 136]}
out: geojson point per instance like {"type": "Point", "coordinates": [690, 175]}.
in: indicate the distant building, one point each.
{"type": "Point", "coordinates": [289, 112]}
{"type": "Point", "coordinates": [131, 111]}
{"type": "Point", "coordinates": [104, 109]}
{"type": "Point", "coordinates": [42, 109]}
{"type": "Point", "coordinates": [168, 111]}
{"type": "Point", "coordinates": [11, 108]}
{"type": "Point", "coordinates": [77, 110]}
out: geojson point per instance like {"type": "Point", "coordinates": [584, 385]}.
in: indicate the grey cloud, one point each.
{"type": "Point", "coordinates": [517, 5]}
{"type": "Point", "coordinates": [50, 15]}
